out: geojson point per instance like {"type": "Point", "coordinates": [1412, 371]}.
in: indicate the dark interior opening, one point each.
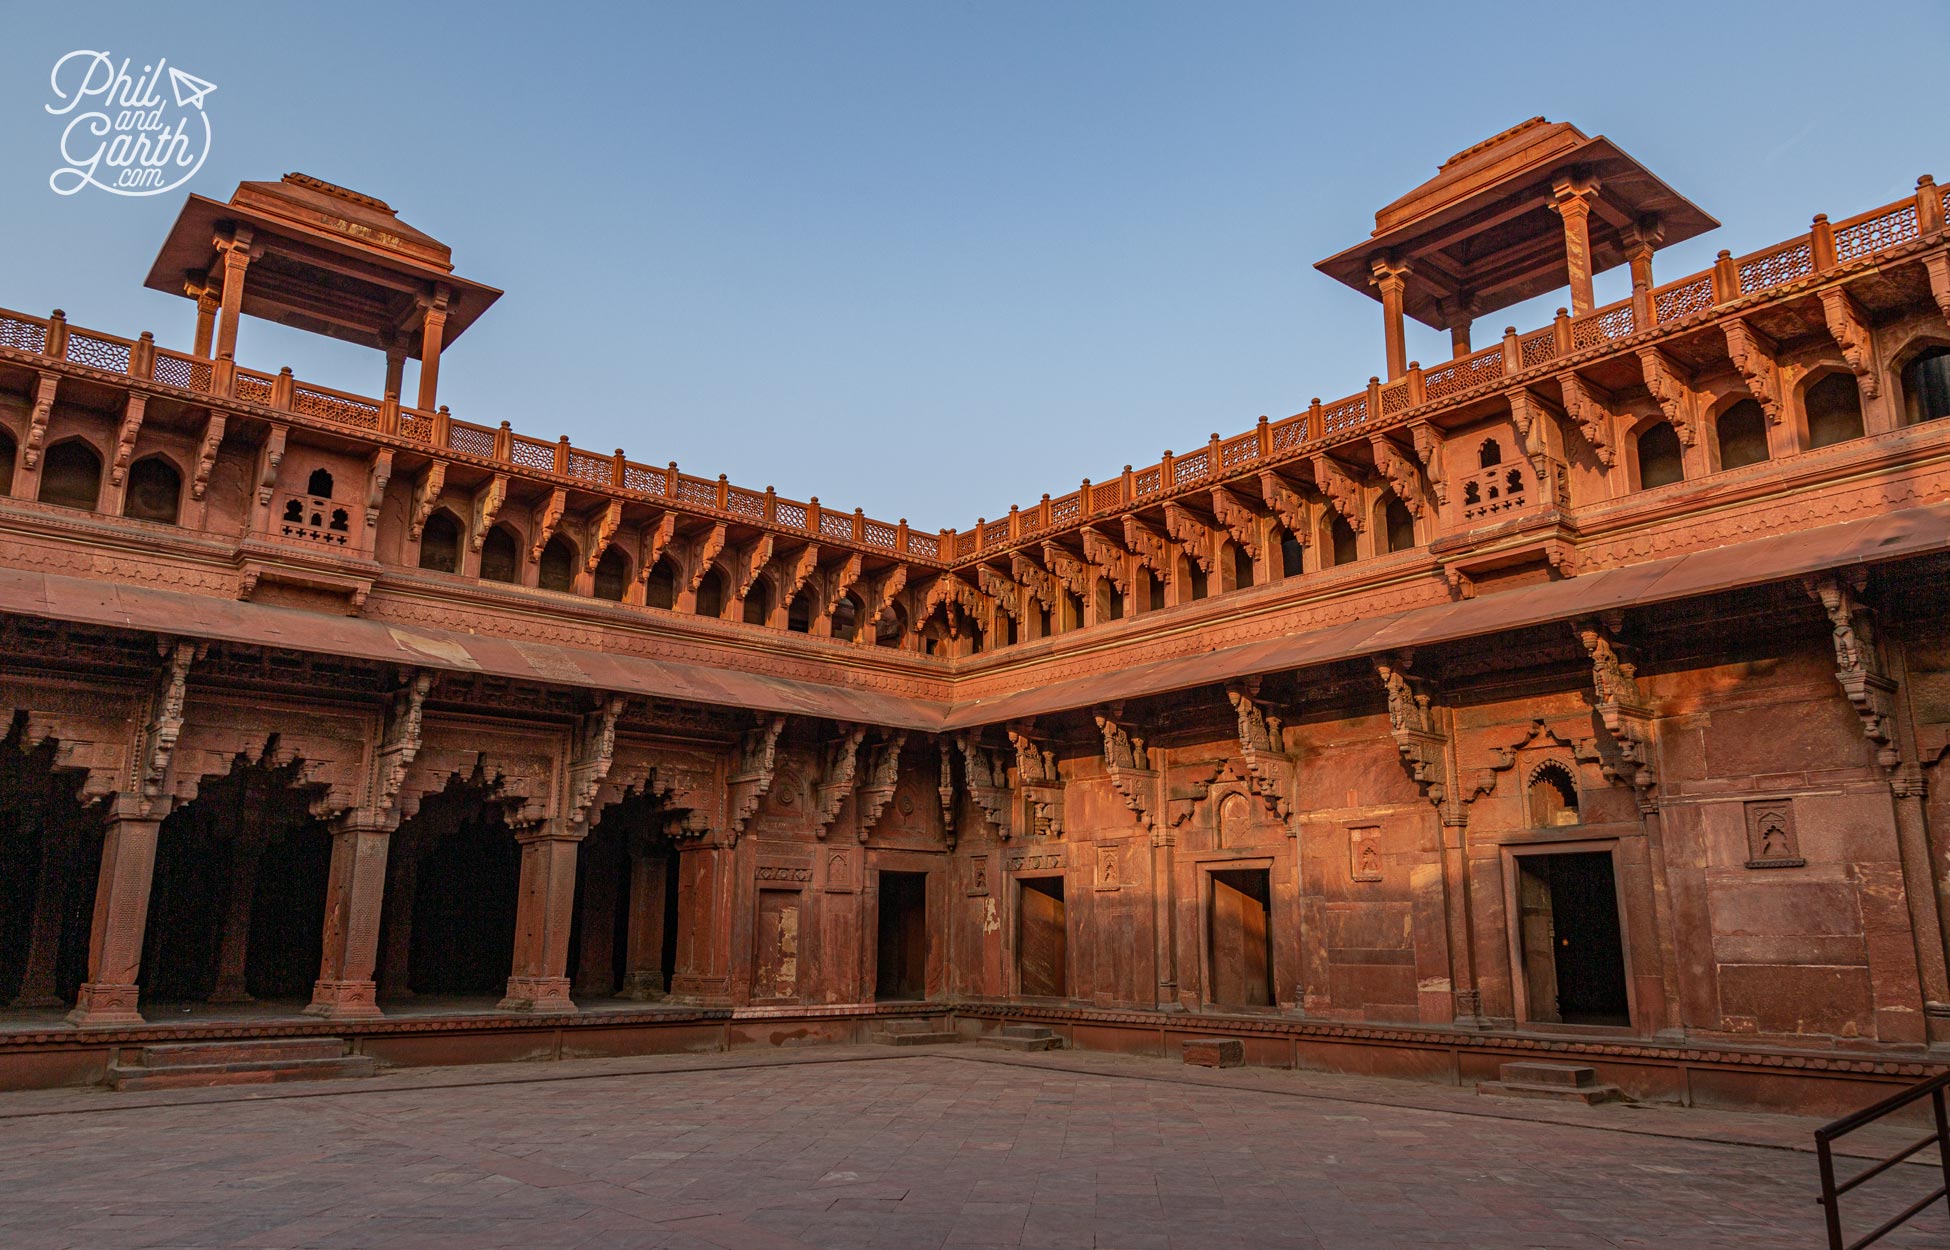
{"type": "Point", "coordinates": [1743, 435]}
{"type": "Point", "coordinates": [465, 872]}
{"type": "Point", "coordinates": [623, 931]}
{"type": "Point", "coordinates": [1660, 460]}
{"type": "Point", "coordinates": [1573, 948]}
{"type": "Point", "coordinates": [1241, 938]}
{"type": "Point", "coordinates": [1042, 937]}
{"type": "Point", "coordinates": [1292, 555]}
{"type": "Point", "coordinates": [500, 558]}
{"type": "Point", "coordinates": [1926, 386]}
{"type": "Point", "coordinates": [558, 566]}
{"type": "Point", "coordinates": [1834, 408]}
{"type": "Point", "coordinates": [1341, 535]}
{"type": "Point", "coordinates": [1401, 525]}
{"type": "Point", "coordinates": [440, 544]}
{"type": "Point", "coordinates": [50, 851]}
{"type": "Point", "coordinates": [612, 578]}
{"type": "Point", "coordinates": [901, 969]}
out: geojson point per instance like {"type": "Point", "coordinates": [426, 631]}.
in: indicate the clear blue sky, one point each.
{"type": "Point", "coordinates": [932, 259]}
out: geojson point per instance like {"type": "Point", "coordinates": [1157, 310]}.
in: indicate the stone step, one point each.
{"type": "Point", "coordinates": [1534, 1073]}
{"type": "Point", "coordinates": [197, 1076]}
{"type": "Point", "coordinates": [911, 1032]}
{"type": "Point", "coordinates": [204, 1054]}
{"type": "Point", "coordinates": [1025, 1037]}
{"type": "Point", "coordinates": [1214, 1052]}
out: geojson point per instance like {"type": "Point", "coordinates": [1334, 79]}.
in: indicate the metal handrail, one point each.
{"type": "Point", "coordinates": [1831, 1193]}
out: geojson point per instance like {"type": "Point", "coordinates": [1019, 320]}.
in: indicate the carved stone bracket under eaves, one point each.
{"type": "Point", "coordinates": [1423, 747]}
{"type": "Point", "coordinates": [751, 776]}
{"type": "Point", "coordinates": [1858, 665]}
{"type": "Point", "coordinates": [987, 779]}
{"type": "Point", "coordinates": [1263, 748]}
{"type": "Point", "coordinates": [1039, 785]}
{"type": "Point", "coordinates": [839, 771]}
{"type": "Point", "coordinates": [876, 788]}
{"type": "Point", "coordinates": [161, 725]}
{"type": "Point", "coordinates": [592, 749]}
{"type": "Point", "coordinates": [1623, 710]}
{"type": "Point", "coordinates": [1128, 764]}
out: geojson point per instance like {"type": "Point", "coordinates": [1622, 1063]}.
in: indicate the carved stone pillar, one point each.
{"type": "Point", "coordinates": [1390, 277]}
{"type": "Point", "coordinates": [1572, 202]}
{"type": "Point", "coordinates": [108, 997]}
{"type": "Point", "coordinates": [433, 332]}
{"type": "Point", "coordinates": [207, 303]}
{"type": "Point", "coordinates": [354, 900]}
{"type": "Point", "coordinates": [236, 252]}
{"type": "Point", "coordinates": [539, 981]}
{"type": "Point", "coordinates": [1640, 242]}
{"type": "Point", "coordinates": [237, 919]}
{"type": "Point", "coordinates": [395, 366]}
{"type": "Point", "coordinates": [643, 956]}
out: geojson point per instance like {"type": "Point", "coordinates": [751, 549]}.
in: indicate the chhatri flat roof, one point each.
{"type": "Point", "coordinates": [333, 261]}
{"type": "Point", "coordinates": [1483, 225]}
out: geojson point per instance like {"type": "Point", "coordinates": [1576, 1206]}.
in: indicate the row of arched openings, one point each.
{"type": "Point", "coordinates": [71, 477]}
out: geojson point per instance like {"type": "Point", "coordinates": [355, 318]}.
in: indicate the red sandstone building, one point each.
{"type": "Point", "coordinates": [1585, 693]}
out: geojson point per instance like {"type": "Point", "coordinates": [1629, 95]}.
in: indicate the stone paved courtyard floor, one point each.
{"type": "Point", "coordinates": [952, 1148]}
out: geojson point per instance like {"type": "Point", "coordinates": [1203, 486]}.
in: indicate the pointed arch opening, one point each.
{"type": "Point", "coordinates": [846, 618]}
{"type": "Point", "coordinates": [155, 491]}
{"type": "Point", "coordinates": [71, 476]}
{"type": "Point", "coordinates": [1397, 524]}
{"type": "Point", "coordinates": [557, 568]}
{"type": "Point", "coordinates": [1661, 461]}
{"type": "Point", "coordinates": [1741, 433]}
{"type": "Point", "coordinates": [758, 603]}
{"type": "Point", "coordinates": [500, 556]}
{"type": "Point", "coordinates": [660, 585]}
{"type": "Point", "coordinates": [1833, 407]}
{"type": "Point", "coordinates": [9, 452]}
{"type": "Point", "coordinates": [798, 616]}
{"type": "Point", "coordinates": [1340, 540]}
{"type": "Point", "coordinates": [440, 543]}
{"type": "Point", "coordinates": [50, 856]}
{"type": "Point", "coordinates": [890, 627]}
{"type": "Point", "coordinates": [612, 579]}
{"type": "Point", "coordinates": [1926, 386]}
{"type": "Point", "coordinates": [1552, 795]}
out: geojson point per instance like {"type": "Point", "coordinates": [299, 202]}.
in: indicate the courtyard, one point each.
{"type": "Point", "coordinates": [873, 1147]}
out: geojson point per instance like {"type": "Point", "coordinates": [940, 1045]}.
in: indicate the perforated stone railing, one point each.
{"type": "Point", "coordinates": [1394, 403]}
{"type": "Point", "coordinates": [1857, 239]}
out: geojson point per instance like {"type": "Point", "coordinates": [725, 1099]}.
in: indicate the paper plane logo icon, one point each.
{"type": "Point", "coordinates": [189, 89]}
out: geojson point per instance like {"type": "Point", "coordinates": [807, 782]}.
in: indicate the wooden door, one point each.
{"type": "Point", "coordinates": [1242, 964]}
{"type": "Point", "coordinates": [775, 950]}
{"type": "Point", "coordinates": [1537, 936]}
{"type": "Point", "coordinates": [1041, 939]}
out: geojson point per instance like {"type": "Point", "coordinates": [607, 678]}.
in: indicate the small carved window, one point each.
{"type": "Point", "coordinates": [846, 618]}
{"type": "Point", "coordinates": [798, 614]}
{"type": "Point", "coordinates": [1489, 455]}
{"type": "Point", "coordinates": [341, 521]}
{"type": "Point", "coordinates": [758, 603]}
{"type": "Point", "coordinates": [294, 512]}
{"type": "Point", "coordinates": [1742, 432]}
{"type": "Point", "coordinates": [319, 484]}
{"type": "Point", "coordinates": [1772, 841]}
{"type": "Point", "coordinates": [8, 449]}
{"type": "Point", "coordinates": [1553, 796]}
{"type": "Point", "coordinates": [1513, 481]}
{"type": "Point", "coordinates": [1926, 386]}
{"type": "Point", "coordinates": [710, 594]}
{"type": "Point", "coordinates": [660, 587]}
{"type": "Point", "coordinates": [1834, 409]}
{"type": "Point", "coordinates": [1472, 493]}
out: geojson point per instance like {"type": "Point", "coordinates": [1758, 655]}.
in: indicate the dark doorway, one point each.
{"type": "Point", "coordinates": [459, 929]}
{"type": "Point", "coordinates": [1573, 949]}
{"type": "Point", "coordinates": [50, 854]}
{"type": "Point", "coordinates": [902, 969]}
{"type": "Point", "coordinates": [1241, 938]}
{"type": "Point", "coordinates": [1042, 937]}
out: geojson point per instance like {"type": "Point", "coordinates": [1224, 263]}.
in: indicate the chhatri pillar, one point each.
{"type": "Point", "coordinates": [395, 365]}
{"type": "Point", "coordinates": [208, 299]}
{"type": "Point", "coordinates": [1461, 314]}
{"type": "Point", "coordinates": [108, 997]}
{"type": "Point", "coordinates": [235, 249]}
{"type": "Point", "coordinates": [1640, 242]}
{"type": "Point", "coordinates": [1390, 278]}
{"type": "Point", "coordinates": [1571, 199]}
{"type": "Point", "coordinates": [433, 329]}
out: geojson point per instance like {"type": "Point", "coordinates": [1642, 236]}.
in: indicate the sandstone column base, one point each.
{"type": "Point", "coordinates": [345, 1000]}
{"type": "Point", "coordinates": [643, 987]}
{"type": "Point", "coordinates": [105, 1006]}
{"type": "Point", "coordinates": [538, 996]}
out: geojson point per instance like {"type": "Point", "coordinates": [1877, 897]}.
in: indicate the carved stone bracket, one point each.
{"type": "Point", "coordinates": [1035, 579]}
{"type": "Point", "coordinates": [748, 562]}
{"type": "Point", "coordinates": [1858, 666]}
{"type": "Point", "coordinates": [1624, 711]}
{"type": "Point", "coordinates": [652, 541]}
{"type": "Point", "coordinates": [269, 457]}
{"type": "Point", "coordinates": [839, 771]}
{"type": "Point", "coordinates": [1199, 540]}
{"type": "Point", "coordinates": [592, 749]}
{"type": "Point", "coordinates": [751, 776]}
{"type": "Point", "coordinates": [607, 524]}
{"type": "Point", "coordinates": [161, 726]}
{"type": "Point", "coordinates": [1039, 783]}
{"type": "Point", "coordinates": [1590, 406]}
{"type": "Point", "coordinates": [426, 493]}
{"type": "Point", "coordinates": [944, 789]}
{"type": "Point", "coordinates": [1428, 449]}
{"type": "Point", "coordinates": [1071, 573]}
{"type": "Point", "coordinates": [1263, 748]}
{"type": "Point", "coordinates": [1108, 558]}
{"type": "Point", "coordinates": [44, 391]}
{"type": "Point", "coordinates": [1753, 355]}
{"type": "Point", "coordinates": [1403, 477]}
{"type": "Point", "coordinates": [1412, 723]}
{"type": "Point", "coordinates": [1241, 520]}
{"type": "Point", "coordinates": [547, 520]}
{"type": "Point", "coordinates": [797, 571]}
{"type": "Point", "coordinates": [889, 584]}
{"type": "Point", "coordinates": [1128, 765]}
{"type": "Point", "coordinates": [1287, 503]}
{"type": "Point", "coordinates": [1851, 332]}
{"type": "Point", "coordinates": [487, 506]}
{"type": "Point", "coordinates": [206, 455]}
{"type": "Point", "coordinates": [1339, 489]}
{"type": "Point", "coordinates": [132, 412]}
{"type": "Point", "coordinates": [1002, 589]}
{"type": "Point", "coordinates": [399, 744]}
{"type": "Point", "coordinates": [380, 472]}
{"type": "Point", "coordinates": [987, 779]}
{"type": "Point", "coordinates": [1938, 267]}
{"type": "Point", "coordinates": [1152, 549]}
{"type": "Point", "coordinates": [883, 774]}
